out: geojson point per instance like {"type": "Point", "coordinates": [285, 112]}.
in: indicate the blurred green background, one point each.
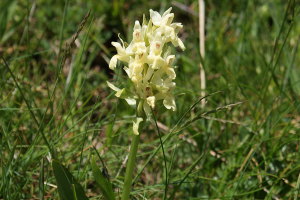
{"type": "Point", "coordinates": [249, 151]}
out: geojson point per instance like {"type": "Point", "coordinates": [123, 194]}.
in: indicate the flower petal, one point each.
{"type": "Point", "coordinates": [136, 124]}
{"type": "Point", "coordinates": [112, 86]}
{"type": "Point", "coordinates": [156, 17]}
{"type": "Point", "coordinates": [130, 101]}
{"type": "Point", "coordinates": [119, 48]}
{"type": "Point", "coordinates": [169, 103]}
{"type": "Point", "coordinates": [113, 62]}
{"type": "Point", "coordinates": [171, 73]}
{"type": "Point", "coordinates": [151, 101]}
{"type": "Point", "coordinates": [181, 45]}
{"type": "Point", "coordinates": [167, 11]}
{"type": "Point", "coordinates": [170, 59]}
{"type": "Point", "coordinates": [137, 32]}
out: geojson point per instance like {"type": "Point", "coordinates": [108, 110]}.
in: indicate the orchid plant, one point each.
{"type": "Point", "coordinates": [149, 64]}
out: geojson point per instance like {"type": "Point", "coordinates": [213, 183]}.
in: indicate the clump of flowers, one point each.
{"type": "Point", "coordinates": [149, 63]}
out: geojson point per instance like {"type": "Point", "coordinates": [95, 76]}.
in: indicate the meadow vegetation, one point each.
{"type": "Point", "coordinates": [55, 103]}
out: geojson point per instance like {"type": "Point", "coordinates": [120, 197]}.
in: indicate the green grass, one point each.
{"type": "Point", "coordinates": [54, 97]}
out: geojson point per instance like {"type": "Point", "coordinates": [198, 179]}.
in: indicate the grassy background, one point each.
{"type": "Point", "coordinates": [249, 151]}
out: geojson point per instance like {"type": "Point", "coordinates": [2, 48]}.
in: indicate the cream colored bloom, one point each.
{"type": "Point", "coordinates": [148, 63]}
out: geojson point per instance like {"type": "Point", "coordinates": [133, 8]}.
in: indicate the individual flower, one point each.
{"type": "Point", "coordinates": [149, 64]}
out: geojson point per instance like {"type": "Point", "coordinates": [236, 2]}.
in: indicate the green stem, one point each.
{"type": "Point", "coordinates": [132, 157]}
{"type": "Point", "coordinates": [130, 167]}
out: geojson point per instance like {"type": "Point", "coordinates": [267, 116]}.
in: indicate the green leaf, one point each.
{"type": "Point", "coordinates": [104, 184]}
{"type": "Point", "coordinates": [68, 187]}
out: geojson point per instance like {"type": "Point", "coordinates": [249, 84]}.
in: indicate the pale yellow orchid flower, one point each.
{"type": "Point", "coordinates": [148, 63]}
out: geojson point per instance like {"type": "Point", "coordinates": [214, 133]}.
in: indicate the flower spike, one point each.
{"type": "Point", "coordinates": [149, 63]}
